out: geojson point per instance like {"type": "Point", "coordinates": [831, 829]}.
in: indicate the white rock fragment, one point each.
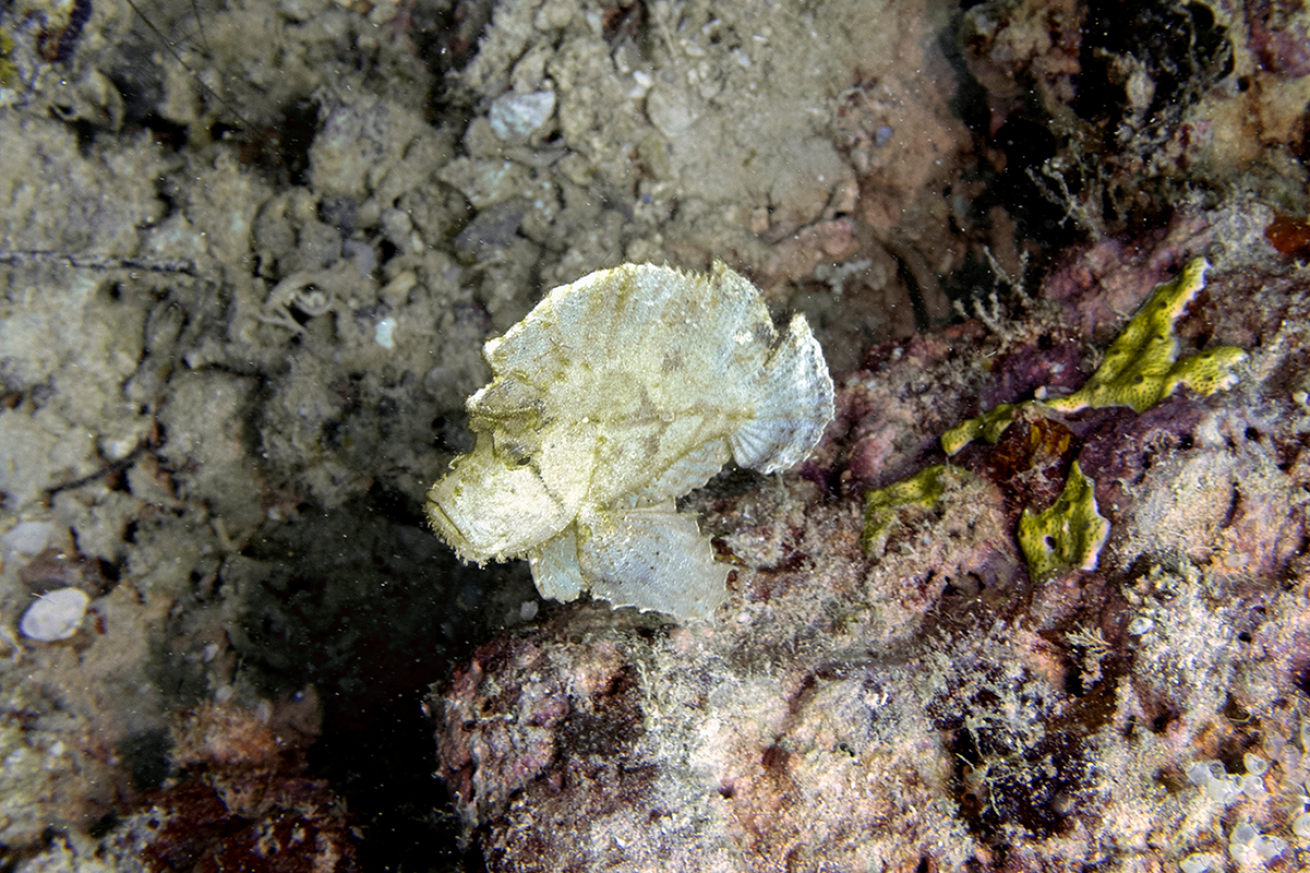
{"type": "Point", "coordinates": [56, 615]}
{"type": "Point", "coordinates": [516, 116]}
{"type": "Point", "coordinates": [1198, 862]}
{"type": "Point", "coordinates": [382, 332]}
{"type": "Point", "coordinates": [1267, 847]}
{"type": "Point", "coordinates": [26, 537]}
{"type": "Point", "coordinates": [1199, 774]}
{"type": "Point", "coordinates": [1140, 625]}
{"type": "Point", "coordinates": [1301, 826]}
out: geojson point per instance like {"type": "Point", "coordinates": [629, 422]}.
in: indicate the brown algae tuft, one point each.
{"type": "Point", "coordinates": [616, 395]}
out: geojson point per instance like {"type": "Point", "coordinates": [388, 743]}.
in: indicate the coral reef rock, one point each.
{"type": "Point", "coordinates": [933, 705]}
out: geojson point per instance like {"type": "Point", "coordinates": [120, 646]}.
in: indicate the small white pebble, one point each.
{"type": "Point", "coordinates": [1199, 774]}
{"type": "Point", "coordinates": [1197, 862]}
{"type": "Point", "coordinates": [1274, 744]}
{"type": "Point", "coordinates": [1301, 826]}
{"type": "Point", "coordinates": [1255, 765]}
{"type": "Point", "coordinates": [528, 610]}
{"type": "Point", "coordinates": [517, 115]}
{"type": "Point", "coordinates": [1139, 626]}
{"type": "Point", "coordinates": [382, 333]}
{"type": "Point", "coordinates": [56, 615]}
{"type": "Point", "coordinates": [1268, 847]}
{"type": "Point", "coordinates": [1243, 835]}
{"type": "Point", "coordinates": [27, 537]}
{"type": "Point", "coordinates": [1290, 758]}
{"type": "Point", "coordinates": [1223, 790]}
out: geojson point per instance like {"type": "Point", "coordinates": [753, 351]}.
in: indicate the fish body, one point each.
{"type": "Point", "coordinates": [616, 395]}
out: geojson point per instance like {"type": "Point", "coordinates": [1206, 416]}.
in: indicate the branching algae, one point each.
{"type": "Point", "coordinates": [616, 395]}
{"type": "Point", "coordinates": [1141, 368]}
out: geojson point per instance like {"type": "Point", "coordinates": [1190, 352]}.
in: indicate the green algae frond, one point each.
{"type": "Point", "coordinates": [1141, 366]}
{"type": "Point", "coordinates": [883, 506]}
{"type": "Point", "coordinates": [1067, 536]}
{"type": "Point", "coordinates": [990, 425]}
{"type": "Point", "coordinates": [8, 70]}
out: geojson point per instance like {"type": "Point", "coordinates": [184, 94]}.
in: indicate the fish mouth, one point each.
{"type": "Point", "coordinates": [447, 529]}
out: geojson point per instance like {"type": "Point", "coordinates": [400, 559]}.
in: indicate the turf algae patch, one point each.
{"type": "Point", "coordinates": [885, 507]}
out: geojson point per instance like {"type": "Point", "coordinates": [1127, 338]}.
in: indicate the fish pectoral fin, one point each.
{"type": "Point", "coordinates": [653, 558]}
{"type": "Point", "coordinates": [555, 567]}
{"type": "Point", "coordinates": [690, 471]}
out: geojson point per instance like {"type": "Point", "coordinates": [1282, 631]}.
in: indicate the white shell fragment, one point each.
{"type": "Point", "coordinates": [615, 396]}
{"type": "Point", "coordinates": [55, 615]}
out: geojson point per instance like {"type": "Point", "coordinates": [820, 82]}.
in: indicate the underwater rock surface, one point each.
{"type": "Point", "coordinates": [932, 703]}
{"type": "Point", "coordinates": [250, 251]}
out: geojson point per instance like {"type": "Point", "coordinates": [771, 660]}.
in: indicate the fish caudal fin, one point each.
{"type": "Point", "coordinates": [795, 404]}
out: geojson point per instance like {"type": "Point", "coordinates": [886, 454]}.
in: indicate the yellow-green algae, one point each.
{"type": "Point", "coordinates": [1067, 536]}
{"type": "Point", "coordinates": [923, 491]}
{"type": "Point", "coordinates": [1141, 367]}
{"type": "Point", "coordinates": [990, 425]}
{"type": "Point", "coordinates": [8, 70]}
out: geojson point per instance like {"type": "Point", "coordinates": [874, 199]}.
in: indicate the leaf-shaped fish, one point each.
{"type": "Point", "coordinates": [615, 396]}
